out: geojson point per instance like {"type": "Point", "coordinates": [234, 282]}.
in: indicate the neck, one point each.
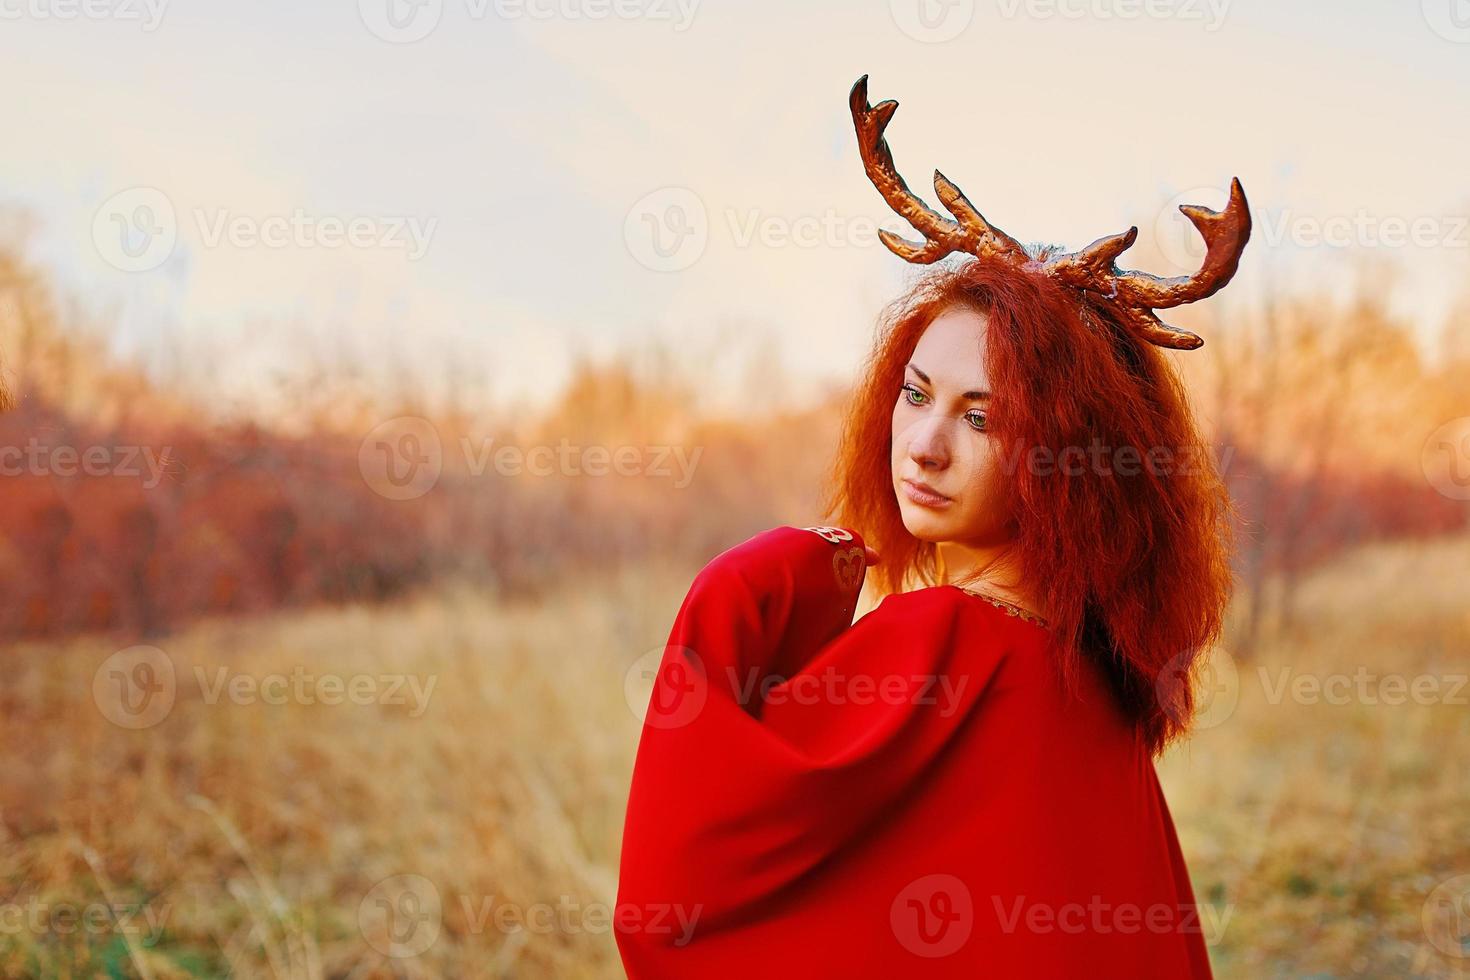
{"type": "Point", "coordinates": [989, 568]}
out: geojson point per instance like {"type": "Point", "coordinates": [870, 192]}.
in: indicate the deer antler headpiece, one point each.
{"type": "Point", "coordinates": [1135, 294]}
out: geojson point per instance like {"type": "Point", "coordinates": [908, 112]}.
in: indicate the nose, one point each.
{"type": "Point", "coordinates": [929, 442]}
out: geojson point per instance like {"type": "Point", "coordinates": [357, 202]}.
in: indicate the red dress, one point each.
{"type": "Point", "coordinates": [913, 794]}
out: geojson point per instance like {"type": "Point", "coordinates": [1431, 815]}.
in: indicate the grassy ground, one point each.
{"type": "Point", "coordinates": [310, 840]}
{"type": "Point", "coordinates": [1327, 799]}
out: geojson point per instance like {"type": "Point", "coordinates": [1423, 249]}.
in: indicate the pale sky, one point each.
{"type": "Point", "coordinates": [536, 146]}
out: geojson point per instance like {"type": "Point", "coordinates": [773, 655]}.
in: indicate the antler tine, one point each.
{"type": "Point", "coordinates": [1138, 294]}
{"type": "Point", "coordinates": [971, 233]}
{"type": "Point", "coordinates": [942, 236]}
{"type": "Point", "coordinates": [1146, 324]}
{"type": "Point", "coordinates": [1134, 295]}
{"type": "Point", "coordinates": [1225, 233]}
{"type": "Point", "coordinates": [1093, 267]}
{"type": "Point", "coordinates": [985, 237]}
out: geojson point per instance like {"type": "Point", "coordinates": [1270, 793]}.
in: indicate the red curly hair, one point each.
{"type": "Point", "coordinates": [1135, 568]}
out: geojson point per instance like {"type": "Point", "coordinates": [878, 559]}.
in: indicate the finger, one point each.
{"type": "Point", "coordinates": [870, 555]}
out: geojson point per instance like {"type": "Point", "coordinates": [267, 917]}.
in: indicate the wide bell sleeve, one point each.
{"type": "Point", "coordinates": [778, 731]}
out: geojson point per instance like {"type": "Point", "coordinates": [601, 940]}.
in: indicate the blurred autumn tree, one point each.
{"type": "Point", "coordinates": [1320, 408]}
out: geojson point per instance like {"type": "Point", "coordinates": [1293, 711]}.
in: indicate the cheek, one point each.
{"type": "Point", "coordinates": [985, 501]}
{"type": "Point", "coordinates": [988, 465]}
{"type": "Point", "coordinates": [898, 443]}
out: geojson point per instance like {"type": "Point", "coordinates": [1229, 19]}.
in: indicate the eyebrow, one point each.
{"type": "Point", "coordinates": [973, 396]}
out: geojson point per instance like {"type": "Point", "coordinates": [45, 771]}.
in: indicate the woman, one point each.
{"type": "Point", "coordinates": [960, 783]}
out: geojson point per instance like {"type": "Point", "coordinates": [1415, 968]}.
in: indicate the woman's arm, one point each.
{"type": "Point", "coordinates": [747, 775]}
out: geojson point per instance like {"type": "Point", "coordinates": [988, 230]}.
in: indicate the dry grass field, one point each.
{"type": "Point", "coordinates": [375, 377]}
{"type": "Point", "coordinates": [457, 812]}
{"type": "Point", "coordinates": [1328, 794]}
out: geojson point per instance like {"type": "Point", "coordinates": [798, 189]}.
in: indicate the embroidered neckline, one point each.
{"type": "Point", "coordinates": [1010, 608]}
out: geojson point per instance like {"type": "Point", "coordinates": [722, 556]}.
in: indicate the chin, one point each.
{"type": "Point", "coordinates": [925, 525]}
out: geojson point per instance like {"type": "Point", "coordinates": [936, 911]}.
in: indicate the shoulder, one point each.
{"type": "Point", "coordinates": [789, 538]}
{"type": "Point", "coordinates": [825, 552]}
{"type": "Point", "coordinates": [933, 605]}
{"type": "Point", "coordinates": [800, 584]}
{"type": "Point", "coordinates": [975, 616]}
{"type": "Point", "coordinates": [934, 599]}
{"type": "Point", "coordinates": [935, 632]}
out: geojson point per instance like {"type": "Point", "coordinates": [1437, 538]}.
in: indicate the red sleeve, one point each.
{"type": "Point", "coordinates": [753, 767]}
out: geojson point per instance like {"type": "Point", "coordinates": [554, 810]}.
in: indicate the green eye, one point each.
{"type": "Point", "coordinates": [977, 420]}
{"type": "Point", "coordinates": [913, 395]}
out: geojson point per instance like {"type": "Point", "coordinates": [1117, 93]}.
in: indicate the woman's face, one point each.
{"type": "Point", "coordinates": [947, 465]}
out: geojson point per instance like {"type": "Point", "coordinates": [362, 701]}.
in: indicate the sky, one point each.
{"type": "Point", "coordinates": [491, 188]}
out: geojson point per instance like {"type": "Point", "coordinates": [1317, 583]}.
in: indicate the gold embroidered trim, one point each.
{"type": "Point", "coordinates": [1011, 609]}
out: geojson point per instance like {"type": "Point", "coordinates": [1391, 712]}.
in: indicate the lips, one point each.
{"type": "Point", "coordinates": [923, 494]}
